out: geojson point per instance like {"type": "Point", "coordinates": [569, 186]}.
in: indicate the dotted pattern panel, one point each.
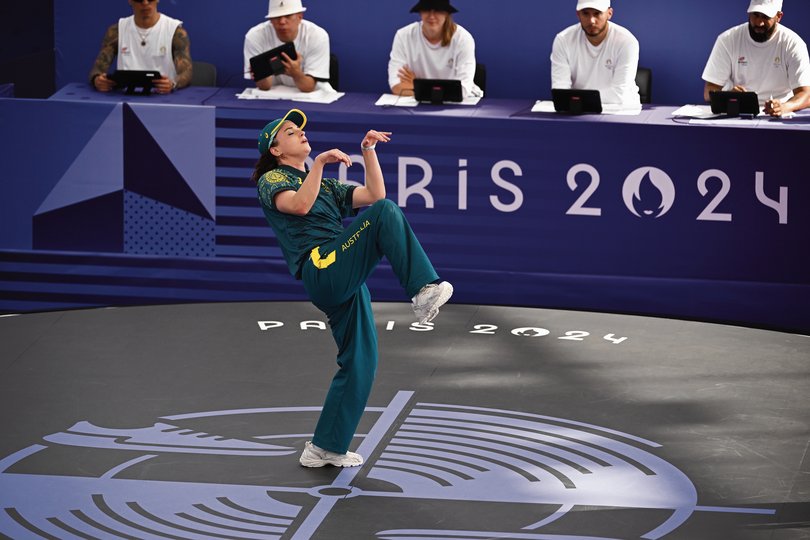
{"type": "Point", "coordinates": [155, 228]}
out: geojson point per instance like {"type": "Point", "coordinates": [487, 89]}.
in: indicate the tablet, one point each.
{"type": "Point", "coordinates": [734, 103]}
{"type": "Point", "coordinates": [437, 91]}
{"type": "Point", "coordinates": [269, 62]}
{"type": "Point", "coordinates": [576, 101]}
{"type": "Point", "coordinates": [135, 80]}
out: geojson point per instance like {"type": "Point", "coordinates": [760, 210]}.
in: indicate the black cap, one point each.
{"type": "Point", "coordinates": [438, 5]}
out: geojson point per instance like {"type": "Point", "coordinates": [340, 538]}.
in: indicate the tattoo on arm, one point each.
{"type": "Point", "coordinates": [181, 52]}
{"type": "Point", "coordinates": [109, 48]}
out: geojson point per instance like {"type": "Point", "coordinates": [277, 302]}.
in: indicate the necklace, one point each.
{"type": "Point", "coordinates": [143, 35]}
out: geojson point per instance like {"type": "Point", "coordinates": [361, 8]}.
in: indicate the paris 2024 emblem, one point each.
{"type": "Point", "coordinates": [234, 474]}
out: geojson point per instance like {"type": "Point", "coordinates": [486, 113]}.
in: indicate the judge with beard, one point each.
{"type": "Point", "coordinates": [762, 56]}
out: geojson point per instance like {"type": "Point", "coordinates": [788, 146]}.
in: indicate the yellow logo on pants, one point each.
{"type": "Point", "coordinates": [321, 262]}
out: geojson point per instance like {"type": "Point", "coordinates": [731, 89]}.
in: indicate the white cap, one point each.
{"type": "Point", "coordinates": [769, 8]}
{"type": "Point", "coordinates": [280, 8]}
{"type": "Point", "coordinates": [599, 5]}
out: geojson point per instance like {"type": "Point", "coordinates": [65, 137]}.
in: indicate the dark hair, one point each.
{"type": "Point", "coordinates": [266, 163]}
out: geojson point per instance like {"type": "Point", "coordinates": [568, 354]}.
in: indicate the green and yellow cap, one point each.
{"type": "Point", "coordinates": [269, 132]}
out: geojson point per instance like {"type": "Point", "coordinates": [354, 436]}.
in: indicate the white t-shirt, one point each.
{"type": "Point", "coordinates": [428, 61]}
{"type": "Point", "coordinates": [771, 69]}
{"type": "Point", "coordinates": [610, 67]}
{"type": "Point", "coordinates": [156, 54]}
{"type": "Point", "coordinates": [312, 43]}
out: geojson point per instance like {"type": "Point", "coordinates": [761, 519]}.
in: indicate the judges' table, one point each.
{"type": "Point", "coordinates": [625, 213]}
{"type": "Point", "coordinates": [637, 214]}
{"type": "Point", "coordinates": [192, 95]}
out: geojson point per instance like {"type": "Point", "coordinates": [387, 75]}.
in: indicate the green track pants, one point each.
{"type": "Point", "coordinates": [334, 277]}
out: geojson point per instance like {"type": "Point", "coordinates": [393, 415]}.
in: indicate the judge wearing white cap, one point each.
{"type": "Point", "coordinates": [286, 24]}
{"type": "Point", "coordinates": [761, 56]}
{"type": "Point", "coordinates": [597, 54]}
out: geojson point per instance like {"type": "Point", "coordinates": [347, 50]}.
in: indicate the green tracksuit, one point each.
{"type": "Point", "coordinates": [334, 264]}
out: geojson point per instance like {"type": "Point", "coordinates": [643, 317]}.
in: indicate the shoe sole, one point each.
{"type": "Point", "coordinates": [324, 463]}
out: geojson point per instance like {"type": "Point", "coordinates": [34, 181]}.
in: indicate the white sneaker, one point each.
{"type": "Point", "coordinates": [427, 302]}
{"type": "Point", "coordinates": [313, 456]}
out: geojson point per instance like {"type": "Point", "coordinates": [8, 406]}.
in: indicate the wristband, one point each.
{"type": "Point", "coordinates": [367, 148]}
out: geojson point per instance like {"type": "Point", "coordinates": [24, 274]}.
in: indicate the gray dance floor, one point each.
{"type": "Point", "coordinates": [186, 422]}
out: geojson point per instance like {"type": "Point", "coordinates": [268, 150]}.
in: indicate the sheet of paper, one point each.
{"type": "Point", "coordinates": [694, 111]}
{"type": "Point", "coordinates": [744, 122]}
{"type": "Point", "coordinates": [543, 106]}
{"type": "Point", "coordinates": [548, 107]}
{"type": "Point", "coordinates": [393, 100]}
{"type": "Point", "coordinates": [321, 95]}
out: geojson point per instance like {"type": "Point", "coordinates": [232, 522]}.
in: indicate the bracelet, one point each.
{"type": "Point", "coordinates": [367, 148]}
